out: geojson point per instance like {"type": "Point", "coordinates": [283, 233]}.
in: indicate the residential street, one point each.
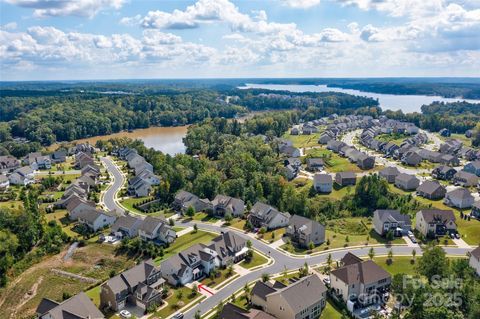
{"type": "Point", "coordinates": [281, 260]}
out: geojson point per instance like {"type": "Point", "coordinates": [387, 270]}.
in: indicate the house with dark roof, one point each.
{"type": "Point", "coordinates": [183, 200]}
{"type": "Point", "coordinates": [4, 182]}
{"type": "Point", "coordinates": [431, 190]}
{"type": "Point", "coordinates": [83, 159]}
{"type": "Point", "coordinates": [465, 179]}
{"type": "Point", "coordinates": [22, 176]}
{"type": "Point", "coordinates": [459, 198]}
{"type": "Point", "coordinates": [385, 220]}
{"type": "Point", "coordinates": [345, 178]}
{"type": "Point", "coordinates": [435, 222]}
{"type": "Point", "coordinates": [443, 172]}
{"type": "Point", "coordinates": [223, 204]}
{"type": "Point", "coordinates": [335, 145]}
{"type": "Point", "coordinates": [231, 311]}
{"type": "Point", "coordinates": [263, 215]}
{"type": "Point", "coordinates": [323, 183]}
{"type": "Point", "coordinates": [358, 281]}
{"type": "Point", "coordinates": [411, 158]}
{"type": "Point", "coordinates": [305, 298]}
{"type": "Point", "coordinates": [315, 164]}
{"type": "Point", "coordinates": [8, 163]}
{"type": "Point", "coordinates": [289, 150]}
{"type": "Point", "coordinates": [230, 248]}
{"type": "Point", "coordinates": [474, 260]}
{"type": "Point", "coordinates": [473, 167]}
{"type": "Point", "coordinates": [389, 173]}
{"type": "Point", "coordinates": [127, 226]}
{"type": "Point", "coordinates": [157, 230]}
{"type": "Point", "coordinates": [407, 182]}
{"type": "Point", "coordinates": [77, 307]}
{"type": "Point", "coordinates": [365, 162]}
{"type": "Point", "coordinates": [139, 286]}
{"type": "Point", "coordinates": [78, 205]}
{"type": "Point", "coordinates": [304, 231]}
{"type": "Point", "coordinates": [450, 160]}
{"type": "Point", "coordinates": [59, 156]}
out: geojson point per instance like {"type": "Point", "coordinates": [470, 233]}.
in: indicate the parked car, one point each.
{"type": "Point", "coordinates": [326, 281]}
{"type": "Point", "coordinates": [178, 316]}
{"type": "Point", "coordinates": [457, 235]}
{"type": "Point", "coordinates": [125, 314]}
{"type": "Point", "coordinates": [452, 235]}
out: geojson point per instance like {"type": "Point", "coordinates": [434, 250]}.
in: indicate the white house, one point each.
{"type": "Point", "coordinates": [323, 183]}
{"type": "Point", "coordinates": [96, 219]}
{"type": "Point", "coordinates": [22, 176]}
{"type": "Point", "coordinates": [4, 182]}
{"type": "Point", "coordinates": [156, 230]}
{"type": "Point", "coordinates": [460, 198]}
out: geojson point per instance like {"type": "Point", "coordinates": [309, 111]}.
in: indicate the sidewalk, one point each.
{"type": "Point", "coordinates": [278, 243]}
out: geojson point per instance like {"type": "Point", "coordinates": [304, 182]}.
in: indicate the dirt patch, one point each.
{"type": "Point", "coordinates": [29, 295]}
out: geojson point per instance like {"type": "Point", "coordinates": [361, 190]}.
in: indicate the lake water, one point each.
{"type": "Point", "coordinates": [406, 103]}
{"type": "Point", "coordinates": [169, 140]}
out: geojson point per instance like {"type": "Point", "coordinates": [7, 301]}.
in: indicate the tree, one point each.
{"type": "Point", "coordinates": [190, 211]}
{"type": "Point", "coordinates": [229, 270]}
{"type": "Point", "coordinates": [433, 263]}
{"type": "Point", "coordinates": [197, 314]}
{"type": "Point", "coordinates": [195, 228]}
{"type": "Point", "coordinates": [228, 217]}
{"type": "Point", "coordinates": [390, 257]}
{"type": "Point", "coordinates": [389, 236]}
{"type": "Point", "coordinates": [265, 277]}
{"type": "Point", "coordinates": [311, 245]}
{"type": "Point", "coordinates": [249, 244]}
{"type": "Point", "coordinates": [371, 253]}
{"type": "Point", "coordinates": [303, 271]}
{"type": "Point", "coordinates": [414, 253]}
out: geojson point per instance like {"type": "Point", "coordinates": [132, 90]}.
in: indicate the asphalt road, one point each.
{"type": "Point", "coordinates": [281, 260]}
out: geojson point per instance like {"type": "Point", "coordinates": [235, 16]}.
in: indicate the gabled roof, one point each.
{"type": "Point", "coordinates": [476, 253]}
{"type": "Point", "coordinates": [437, 215]}
{"type": "Point", "coordinates": [405, 177]}
{"type": "Point", "coordinates": [78, 306]}
{"type": "Point", "coordinates": [126, 222]}
{"type": "Point", "coordinates": [231, 311]}
{"type": "Point", "coordinates": [139, 273]}
{"type": "Point", "coordinates": [345, 175]}
{"type": "Point", "coordinates": [365, 272]}
{"type": "Point", "coordinates": [390, 171]}
{"type": "Point", "coordinates": [460, 193]}
{"type": "Point", "coordinates": [262, 289]}
{"type": "Point", "coordinates": [391, 215]}
{"type": "Point", "coordinates": [429, 187]}
{"type": "Point", "coordinates": [150, 223]}
{"type": "Point", "coordinates": [322, 178]}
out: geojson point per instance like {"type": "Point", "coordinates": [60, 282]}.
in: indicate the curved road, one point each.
{"type": "Point", "coordinates": [281, 260]}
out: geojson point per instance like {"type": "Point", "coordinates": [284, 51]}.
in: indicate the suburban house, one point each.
{"type": "Point", "coordinates": [199, 260]}
{"type": "Point", "coordinates": [407, 182]}
{"type": "Point", "coordinates": [431, 190]}
{"type": "Point", "coordinates": [139, 286]}
{"type": "Point", "coordinates": [304, 231]}
{"type": "Point", "coordinates": [4, 182]}
{"type": "Point", "coordinates": [290, 172]}
{"type": "Point", "coordinates": [345, 178]}
{"type": "Point", "coordinates": [445, 132]}
{"type": "Point", "coordinates": [323, 183]}
{"type": "Point", "coordinates": [443, 172]}
{"type": "Point", "coordinates": [359, 283]}
{"type": "Point", "coordinates": [289, 150]}
{"type": "Point", "coordinates": [365, 162]}
{"type": "Point", "coordinates": [460, 198]}
{"type": "Point", "coordinates": [473, 167]}
{"type": "Point", "coordinates": [127, 226]}
{"type": "Point", "coordinates": [223, 204]}
{"type": "Point", "coordinates": [465, 179]}
{"type": "Point", "coordinates": [96, 219]}
{"type": "Point", "coordinates": [231, 311]}
{"type": "Point", "coordinates": [8, 163]}
{"type": "Point", "coordinates": [326, 137]}
{"type": "Point", "coordinates": [435, 222]}
{"type": "Point", "coordinates": [304, 298]}
{"type": "Point", "coordinates": [156, 230]}
{"type": "Point", "coordinates": [59, 156]}
{"type": "Point", "coordinates": [263, 215]}
{"type": "Point", "coordinates": [183, 200]}
{"type": "Point", "coordinates": [38, 161]}
{"type": "Point", "coordinates": [83, 159]}
{"type": "Point", "coordinates": [448, 159]}
{"type": "Point", "coordinates": [77, 307]}
{"type": "Point", "coordinates": [78, 205]}
{"type": "Point", "coordinates": [389, 173]}
{"type": "Point", "coordinates": [476, 210]}
{"type": "Point", "coordinates": [411, 158]}
{"type": "Point", "coordinates": [22, 176]}
{"type": "Point", "coordinates": [138, 187]}
{"type": "Point", "coordinates": [385, 220]}
{"type": "Point", "coordinates": [474, 260]}
{"type": "Point", "coordinates": [315, 164]}
{"type": "Point", "coordinates": [335, 145]}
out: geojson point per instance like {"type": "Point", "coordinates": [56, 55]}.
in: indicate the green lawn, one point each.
{"type": "Point", "coordinates": [395, 138]}
{"type": "Point", "coordinates": [302, 141]}
{"type": "Point", "coordinates": [129, 202]}
{"type": "Point", "coordinates": [178, 297]}
{"type": "Point", "coordinates": [12, 205]}
{"type": "Point", "coordinates": [401, 264]}
{"type": "Point", "coordinates": [273, 235]}
{"type": "Point", "coordinates": [239, 223]}
{"type": "Point", "coordinates": [94, 294]}
{"type": "Point", "coordinates": [216, 281]}
{"type": "Point", "coordinates": [256, 261]}
{"type": "Point", "coordinates": [334, 163]}
{"type": "Point", "coordinates": [186, 241]}
{"type": "Point", "coordinates": [331, 311]}
{"type": "Point", "coordinates": [204, 217]}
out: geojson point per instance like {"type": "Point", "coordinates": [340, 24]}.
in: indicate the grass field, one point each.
{"type": "Point", "coordinates": [331, 311]}
{"type": "Point", "coordinates": [223, 276]}
{"type": "Point", "coordinates": [401, 264]}
{"type": "Point", "coordinates": [256, 261]}
{"type": "Point", "coordinates": [186, 241]}
{"type": "Point", "coordinates": [273, 235]}
{"type": "Point", "coordinates": [177, 297]}
{"type": "Point", "coordinates": [302, 141]}
{"type": "Point", "coordinates": [129, 202]}
{"type": "Point", "coordinates": [23, 295]}
{"type": "Point", "coordinates": [334, 162]}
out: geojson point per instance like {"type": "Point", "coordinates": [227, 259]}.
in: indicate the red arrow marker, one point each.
{"type": "Point", "coordinates": [201, 286]}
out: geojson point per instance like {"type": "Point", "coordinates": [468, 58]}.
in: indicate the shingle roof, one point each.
{"type": "Point", "coordinates": [432, 215]}
{"type": "Point", "coordinates": [322, 178]}
{"type": "Point", "coordinates": [79, 306]}
{"type": "Point", "coordinates": [429, 187]}
{"type": "Point", "coordinates": [391, 215]}
{"type": "Point", "coordinates": [476, 253]}
{"type": "Point", "coordinates": [459, 193]}
{"type": "Point", "coordinates": [364, 272]}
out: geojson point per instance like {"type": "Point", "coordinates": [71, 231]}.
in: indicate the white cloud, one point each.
{"type": "Point", "coordinates": [9, 26]}
{"type": "Point", "coordinates": [56, 8]}
{"type": "Point", "coordinates": [303, 4]}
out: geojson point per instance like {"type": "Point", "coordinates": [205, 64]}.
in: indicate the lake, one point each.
{"type": "Point", "coordinates": [169, 140]}
{"type": "Point", "coordinates": [406, 103]}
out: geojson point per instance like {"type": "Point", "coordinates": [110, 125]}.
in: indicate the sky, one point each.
{"type": "Point", "coordinates": [140, 39]}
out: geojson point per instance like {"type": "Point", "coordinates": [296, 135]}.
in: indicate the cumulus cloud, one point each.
{"type": "Point", "coordinates": [303, 4]}
{"type": "Point", "coordinates": [56, 8]}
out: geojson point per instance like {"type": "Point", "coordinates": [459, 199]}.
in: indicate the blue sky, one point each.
{"type": "Point", "coordinates": [120, 39]}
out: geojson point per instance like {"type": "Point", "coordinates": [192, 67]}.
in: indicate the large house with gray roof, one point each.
{"type": "Point", "coordinates": [305, 298]}
{"type": "Point", "coordinates": [96, 219]}
{"type": "Point", "coordinates": [474, 260]}
{"type": "Point", "coordinates": [223, 204]}
{"type": "Point", "coordinates": [385, 220]}
{"type": "Point", "coordinates": [459, 198]}
{"type": "Point", "coordinates": [435, 222]}
{"type": "Point", "coordinates": [263, 215]}
{"type": "Point", "coordinates": [126, 226]}
{"type": "Point", "coordinates": [77, 307]}
{"type": "Point", "coordinates": [407, 182]}
{"type": "Point", "coordinates": [183, 200]}
{"type": "Point", "coordinates": [389, 173]}
{"type": "Point", "coordinates": [156, 230]}
{"type": "Point", "coordinates": [304, 231]}
{"type": "Point", "coordinates": [432, 190]}
{"type": "Point", "coordinates": [358, 281]}
{"type": "Point", "coordinates": [139, 286]}
{"type": "Point", "coordinates": [199, 260]}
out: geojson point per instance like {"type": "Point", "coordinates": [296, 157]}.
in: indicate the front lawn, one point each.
{"type": "Point", "coordinates": [177, 298]}
{"type": "Point", "coordinates": [257, 260]}
{"type": "Point", "coordinates": [129, 202]}
{"type": "Point", "coordinates": [331, 311]}
{"type": "Point", "coordinates": [273, 235]}
{"type": "Point", "coordinates": [223, 274]}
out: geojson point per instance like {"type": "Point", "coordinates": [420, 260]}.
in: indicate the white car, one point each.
{"type": "Point", "coordinates": [125, 314]}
